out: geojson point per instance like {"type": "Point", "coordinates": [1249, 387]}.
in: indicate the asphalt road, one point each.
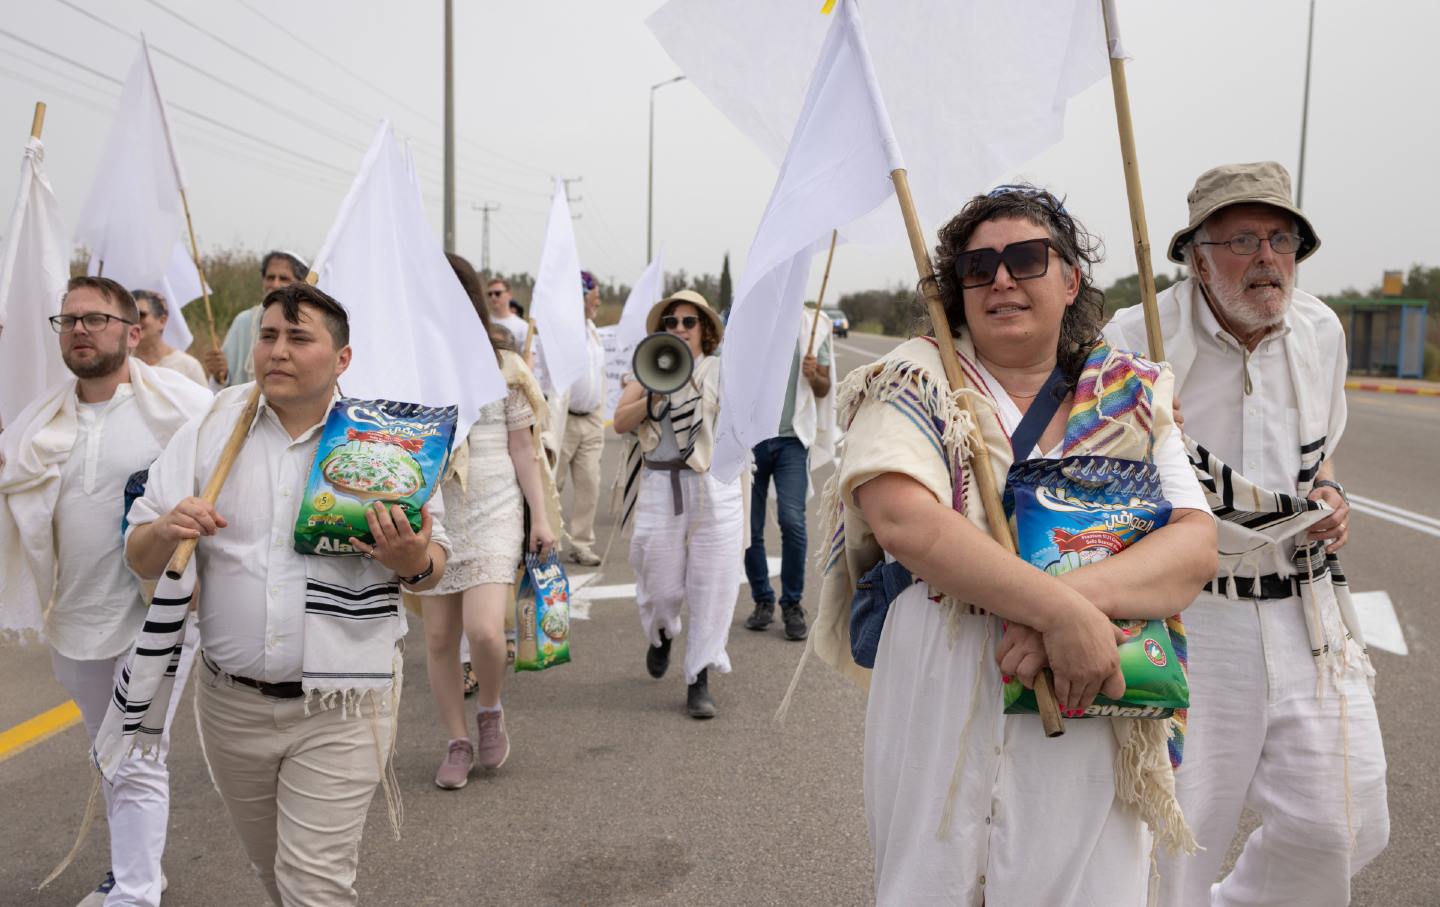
{"type": "Point", "coordinates": [612, 796]}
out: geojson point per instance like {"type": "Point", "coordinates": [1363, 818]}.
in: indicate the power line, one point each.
{"type": "Point", "coordinates": [180, 107]}
{"type": "Point", "coordinates": [269, 103]}
{"type": "Point", "coordinates": [288, 31]}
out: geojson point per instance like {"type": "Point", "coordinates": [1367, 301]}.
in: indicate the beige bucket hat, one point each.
{"type": "Point", "coordinates": [652, 321]}
{"type": "Point", "coordinates": [1261, 183]}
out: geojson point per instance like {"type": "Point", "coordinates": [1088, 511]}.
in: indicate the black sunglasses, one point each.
{"type": "Point", "coordinates": [671, 322]}
{"type": "Point", "coordinates": [494, 292]}
{"type": "Point", "coordinates": [1024, 260]}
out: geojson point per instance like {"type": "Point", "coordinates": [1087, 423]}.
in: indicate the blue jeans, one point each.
{"type": "Point", "coordinates": [787, 461]}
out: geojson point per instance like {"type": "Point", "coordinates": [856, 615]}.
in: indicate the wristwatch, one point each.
{"type": "Point", "coordinates": [1327, 483]}
{"type": "Point", "coordinates": [422, 575]}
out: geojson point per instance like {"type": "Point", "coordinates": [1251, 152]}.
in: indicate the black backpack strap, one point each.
{"type": "Point", "coordinates": [1042, 410]}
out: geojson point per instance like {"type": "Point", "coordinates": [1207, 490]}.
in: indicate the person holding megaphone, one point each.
{"type": "Point", "coordinates": [688, 525]}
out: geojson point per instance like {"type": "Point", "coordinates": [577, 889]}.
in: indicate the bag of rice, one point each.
{"type": "Point", "coordinates": [543, 603]}
{"type": "Point", "coordinates": [1075, 511]}
{"type": "Point", "coordinates": [371, 450]}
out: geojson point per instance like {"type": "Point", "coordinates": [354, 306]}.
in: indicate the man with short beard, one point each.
{"type": "Point", "coordinates": [1282, 718]}
{"type": "Point", "coordinates": [68, 458]}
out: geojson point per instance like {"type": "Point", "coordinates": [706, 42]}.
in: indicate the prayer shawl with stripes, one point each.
{"type": "Point", "coordinates": [693, 411]}
{"type": "Point", "coordinates": [1256, 523]}
{"type": "Point", "coordinates": [352, 621]}
{"type": "Point", "coordinates": [1121, 407]}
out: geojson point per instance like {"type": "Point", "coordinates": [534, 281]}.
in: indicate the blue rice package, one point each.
{"type": "Point", "coordinates": [542, 614]}
{"type": "Point", "coordinates": [1076, 511]}
{"type": "Point", "coordinates": [371, 450]}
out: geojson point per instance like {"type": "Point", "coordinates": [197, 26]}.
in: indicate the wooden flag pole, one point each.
{"type": "Point", "coordinates": [200, 269]}
{"type": "Point", "coordinates": [176, 568]}
{"type": "Point", "coordinates": [37, 124]}
{"type": "Point", "coordinates": [820, 302]}
{"type": "Point", "coordinates": [979, 454]}
{"type": "Point", "coordinates": [529, 339]}
{"type": "Point", "coordinates": [1132, 185]}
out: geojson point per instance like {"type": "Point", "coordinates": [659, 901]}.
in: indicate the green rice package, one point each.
{"type": "Point", "coordinates": [371, 450]}
{"type": "Point", "coordinates": [543, 608]}
{"type": "Point", "coordinates": [1076, 511]}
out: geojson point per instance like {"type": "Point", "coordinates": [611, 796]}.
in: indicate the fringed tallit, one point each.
{"type": "Point", "coordinates": [693, 413]}
{"type": "Point", "coordinates": [911, 380]}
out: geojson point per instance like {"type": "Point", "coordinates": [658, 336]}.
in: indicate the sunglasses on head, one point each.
{"type": "Point", "coordinates": [671, 322]}
{"type": "Point", "coordinates": [1024, 260]}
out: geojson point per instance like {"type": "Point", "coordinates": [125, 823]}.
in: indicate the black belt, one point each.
{"type": "Point", "coordinates": [289, 689]}
{"type": "Point", "coordinates": [1271, 586]}
{"type": "Point", "coordinates": [674, 467]}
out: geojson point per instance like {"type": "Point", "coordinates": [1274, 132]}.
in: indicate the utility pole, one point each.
{"type": "Point", "coordinates": [485, 210]}
{"type": "Point", "coordinates": [449, 189]}
{"type": "Point", "coordinates": [650, 175]}
{"type": "Point", "coordinates": [568, 199]}
{"type": "Point", "coordinates": [1305, 109]}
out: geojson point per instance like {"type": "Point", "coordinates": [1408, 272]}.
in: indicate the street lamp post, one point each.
{"type": "Point", "coordinates": [1305, 108]}
{"type": "Point", "coordinates": [650, 177]}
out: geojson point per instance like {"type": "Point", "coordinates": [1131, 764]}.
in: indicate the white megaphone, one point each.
{"type": "Point", "coordinates": [662, 363]}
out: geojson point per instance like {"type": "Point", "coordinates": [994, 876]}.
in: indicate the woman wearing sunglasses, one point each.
{"type": "Point", "coordinates": [687, 534]}
{"type": "Point", "coordinates": [965, 803]}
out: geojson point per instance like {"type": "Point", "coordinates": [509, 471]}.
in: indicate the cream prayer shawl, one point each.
{"type": "Point", "coordinates": [912, 379]}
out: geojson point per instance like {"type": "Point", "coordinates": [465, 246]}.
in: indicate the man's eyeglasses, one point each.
{"type": "Point", "coordinates": [1024, 260]}
{"type": "Point", "coordinates": [1249, 243]}
{"type": "Point", "coordinates": [671, 322]}
{"type": "Point", "coordinates": [94, 322]}
{"type": "Point", "coordinates": [494, 292]}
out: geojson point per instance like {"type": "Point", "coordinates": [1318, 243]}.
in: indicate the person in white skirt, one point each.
{"type": "Point", "coordinates": [686, 550]}
{"type": "Point", "coordinates": [485, 498]}
{"type": "Point", "coordinates": [967, 805]}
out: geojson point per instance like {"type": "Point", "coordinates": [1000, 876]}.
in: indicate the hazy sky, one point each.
{"type": "Point", "coordinates": [561, 89]}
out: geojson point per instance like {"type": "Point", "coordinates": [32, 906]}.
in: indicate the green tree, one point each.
{"type": "Point", "coordinates": [726, 296]}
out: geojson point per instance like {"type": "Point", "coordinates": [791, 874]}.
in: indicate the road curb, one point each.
{"type": "Point", "coordinates": [1385, 387]}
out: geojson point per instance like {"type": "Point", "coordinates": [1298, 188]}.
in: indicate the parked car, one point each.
{"type": "Point", "coordinates": [839, 322]}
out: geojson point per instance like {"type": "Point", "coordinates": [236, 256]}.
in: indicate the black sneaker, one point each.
{"type": "Point", "coordinates": [794, 617]}
{"type": "Point", "coordinates": [760, 619]}
{"type": "Point", "coordinates": [698, 701]}
{"type": "Point", "coordinates": [657, 659]}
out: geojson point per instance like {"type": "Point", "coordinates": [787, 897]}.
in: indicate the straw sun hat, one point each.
{"type": "Point", "coordinates": [652, 321]}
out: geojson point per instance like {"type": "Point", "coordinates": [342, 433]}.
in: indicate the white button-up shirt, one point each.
{"type": "Point", "coordinates": [98, 607]}
{"type": "Point", "coordinates": [252, 580]}
{"type": "Point", "coordinates": [1255, 433]}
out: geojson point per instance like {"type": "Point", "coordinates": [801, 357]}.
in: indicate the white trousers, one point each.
{"type": "Point", "coordinates": [1258, 736]}
{"type": "Point", "coordinates": [691, 559]}
{"type": "Point", "coordinates": [137, 802]}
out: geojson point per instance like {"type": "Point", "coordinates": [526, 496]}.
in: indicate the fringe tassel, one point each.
{"type": "Point", "coordinates": [1144, 780]}
{"type": "Point", "coordinates": [784, 709]}
{"type": "Point", "coordinates": [80, 836]}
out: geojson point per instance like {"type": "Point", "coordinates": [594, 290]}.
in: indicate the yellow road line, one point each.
{"type": "Point", "coordinates": [42, 727]}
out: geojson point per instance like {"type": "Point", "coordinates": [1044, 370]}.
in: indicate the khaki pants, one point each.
{"type": "Point", "coordinates": [580, 455]}
{"type": "Point", "coordinates": [297, 789]}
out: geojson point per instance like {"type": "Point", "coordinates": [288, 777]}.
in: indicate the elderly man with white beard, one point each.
{"type": "Point", "coordinates": [1282, 718]}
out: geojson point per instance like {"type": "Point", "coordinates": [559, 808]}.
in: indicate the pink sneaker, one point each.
{"type": "Point", "coordinates": [494, 742]}
{"type": "Point", "coordinates": [454, 772]}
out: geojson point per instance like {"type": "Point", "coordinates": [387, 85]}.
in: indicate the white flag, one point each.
{"type": "Point", "coordinates": [415, 334]}
{"type": "Point", "coordinates": [648, 289]}
{"type": "Point", "coordinates": [33, 275]}
{"type": "Point", "coordinates": [134, 217]}
{"type": "Point", "coordinates": [558, 302]}
{"type": "Point", "coordinates": [975, 87]}
{"type": "Point", "coordinates": [836, 170]}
